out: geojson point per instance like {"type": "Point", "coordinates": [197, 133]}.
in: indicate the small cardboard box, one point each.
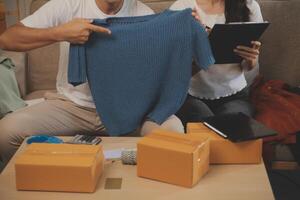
{"type": "Point", "coordinates": [172, 158]}
{"type": "Point", "coordinates": [223, 151]}
{"type": "Point", "coordinates": [59, 167]}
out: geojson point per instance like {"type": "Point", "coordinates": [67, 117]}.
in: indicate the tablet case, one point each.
{"type": "Point", "coordinates": [224, 38]}
{"type": "Point", "coordinates": [238, 127]}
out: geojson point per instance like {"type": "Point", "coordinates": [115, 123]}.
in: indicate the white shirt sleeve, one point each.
{"type": "Point", "coordinates": [52, 14]}
{"type": "Point", "coordinates": [255, 12]}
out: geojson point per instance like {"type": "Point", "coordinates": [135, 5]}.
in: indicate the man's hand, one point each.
{"type": "Point", "coordinates": [22, 38]}
{"type": "Point", "coordinates": [78, 31]}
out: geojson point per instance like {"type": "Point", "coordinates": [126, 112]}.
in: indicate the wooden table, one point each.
{"type": "Point", "coordinates": [232, 182]}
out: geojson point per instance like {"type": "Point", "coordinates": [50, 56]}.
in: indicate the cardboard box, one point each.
{"type": "Point", "coordinates": [223, 151]}
{"type": "Point", "coordinates": [172, 158]}
{"type": "Point", "coordinates": [59, 167]}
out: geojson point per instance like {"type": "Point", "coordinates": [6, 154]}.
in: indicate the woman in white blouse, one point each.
{"type": "Point", "coordinates": [223, 87]}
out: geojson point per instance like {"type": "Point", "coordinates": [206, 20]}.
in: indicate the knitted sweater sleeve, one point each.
{"type": "Point", "coordinates": [77, 65]}
{"type": "Point", "coordinates": [202, 52]}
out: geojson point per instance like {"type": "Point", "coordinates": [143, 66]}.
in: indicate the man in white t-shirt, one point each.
{"type": "Point", "coordinates": [72, 110]}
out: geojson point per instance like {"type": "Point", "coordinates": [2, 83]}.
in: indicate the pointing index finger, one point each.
{"type": "Point", "coordinates": [98, 29]}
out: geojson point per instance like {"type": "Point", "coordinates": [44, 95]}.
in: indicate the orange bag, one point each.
{"type": "Point", "coordinates": [278, 109]}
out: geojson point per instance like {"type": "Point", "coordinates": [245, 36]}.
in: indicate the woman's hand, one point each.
{"type": "Point", "coordinates": [197, 17]}
{"type": "Point", "coordinates": [249, 54]}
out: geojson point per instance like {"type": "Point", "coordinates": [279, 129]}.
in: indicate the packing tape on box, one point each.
{"type": "Point", "coordinates": [58, 153]}
{"type": "Point", "coordinates": [127, 156]}
{"type": "Point", "coordinates": [177, 140]}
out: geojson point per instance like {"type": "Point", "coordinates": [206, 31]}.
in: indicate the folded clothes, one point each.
{"type": "Point", "coordinates": [9, 92]}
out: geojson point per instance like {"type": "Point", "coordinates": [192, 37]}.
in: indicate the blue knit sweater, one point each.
{"type": "Point", "coordinates": [141, 71]}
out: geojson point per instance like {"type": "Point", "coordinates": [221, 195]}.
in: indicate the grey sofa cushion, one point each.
{"type": "Point", "coordinates": [42, 64]}
{"type": "Point", "coordinates": [281, 43]}
{"type": "Point", "coordinates": [42, 68]}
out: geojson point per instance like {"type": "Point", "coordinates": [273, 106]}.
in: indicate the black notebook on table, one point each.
{"type": "Point", "coordinates": [238, 127]}
{"type": "Point", "coordinates": [224, 38]}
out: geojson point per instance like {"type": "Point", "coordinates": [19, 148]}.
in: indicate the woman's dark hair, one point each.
{"type": "Point", "coordinates": [236, 11]}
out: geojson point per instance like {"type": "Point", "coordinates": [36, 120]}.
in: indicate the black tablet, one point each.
{"type": "Point", "coordinates": [238, 127]}
{"type": "Point", "coordinates": [224, 38]}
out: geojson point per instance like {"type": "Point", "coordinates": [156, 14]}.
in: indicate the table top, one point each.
{"type": "Point", "coordinates": [232, 182]}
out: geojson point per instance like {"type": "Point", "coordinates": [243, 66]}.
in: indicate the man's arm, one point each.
{"type": "Point", "coordinates": [22, 38]}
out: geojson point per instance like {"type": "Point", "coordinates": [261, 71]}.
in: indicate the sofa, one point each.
{"type": "Point", "coordinates": [36, 70]}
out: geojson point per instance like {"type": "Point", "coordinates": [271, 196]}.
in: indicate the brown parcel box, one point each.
{"type": "Point", "coordinates": [172, 158]}
{"type": "Point", "coordinates": [223, 151]}
{"type": "Point", "coordinates": [59, 167]}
